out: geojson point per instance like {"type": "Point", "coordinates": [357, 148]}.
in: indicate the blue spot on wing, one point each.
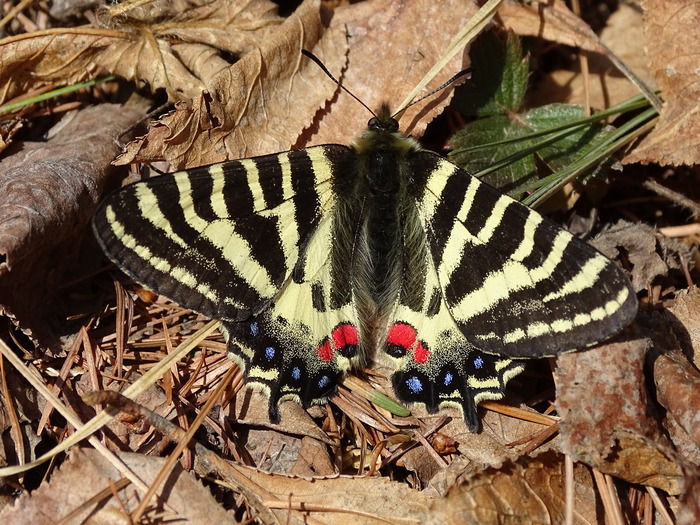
{"type": "Point", "coordinates": [414, 385]}
{"type": "Point", "coordinates": [270, 353]}
{"type": "Point", "coordinates": [448, 378]}
{"type": "Point", "coordinates": [254, 328]}
{"type": "Point", "coordinates": [478, 363]}
{"type": "Point", "coordinates": [296, 373]}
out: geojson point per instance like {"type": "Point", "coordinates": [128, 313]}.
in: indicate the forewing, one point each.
{"type": "Point", "coordinates": [515, 283]}
{"type": "Point", "coordinates": [220, 239]}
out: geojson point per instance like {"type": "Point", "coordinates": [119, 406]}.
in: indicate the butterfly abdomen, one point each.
{"type": "Point", "coordinates": [373, 213]}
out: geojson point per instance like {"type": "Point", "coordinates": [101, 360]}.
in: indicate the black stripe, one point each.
{"type": "Point", "coordinates": [478, 260]}
{"type": "Point", "coordinates": [482, 207]}
{"type": "Point", "coordinates": [270, 175]}
{"type": "Point", "coordinates": [306, 200]}
{"type": "Point", "coordinates": [445, 214]}
{"type": "Point", "coordinates": [202, 185]}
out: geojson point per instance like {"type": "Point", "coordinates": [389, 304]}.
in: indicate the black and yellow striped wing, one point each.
{"type": "Point", "coordinates": [516, 283]}
{"type": "Point", "coordinates": [496, 281]}
{"type": "Point", "coordinates": [248, 242]}
{"type": "Point", "coordinates": [219, 239]}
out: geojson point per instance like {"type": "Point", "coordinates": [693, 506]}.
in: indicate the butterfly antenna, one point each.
{"type": "Point", "coordinates": [318, 62]}
{"type": "Point", "coordinates": [450, 81]}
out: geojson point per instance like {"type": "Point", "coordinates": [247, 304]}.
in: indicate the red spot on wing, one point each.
{"type": "Point", "coordinates": [405, 336]}
{"type": "Point", "coordinates": [345, 335]}
{"type": "Point", "coordinates": [325, 350]}
{"type": "Point", "coordinates": [421, 353]}
{"type": "Point", "coordinates": [402, 334]}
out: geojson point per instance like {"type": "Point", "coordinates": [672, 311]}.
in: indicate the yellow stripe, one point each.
{"type": "Point", "coordinates": [495, 218]}
{"type": "Point", "coordinates": [528, 241]}
{"type": "Point", "coordinates": [182, 275]}
{"type": "Point", "coordinates": [586, 277]}
{"type": "Point", "coordinates": [216, 199]}
{"type": "Point", "coordinates": [555, 326]}
{"type": "Point", "coordinates": [148, 208]}
{"type": "Point", "coordinates": [434, 188]}
{"type": "Point", "coordinates": [512, 276]}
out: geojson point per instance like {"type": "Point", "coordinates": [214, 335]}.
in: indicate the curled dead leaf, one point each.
{"type": "Point", "coordinates": [674, 51]}
{"type": "Point", "coordinates": [258, 105]}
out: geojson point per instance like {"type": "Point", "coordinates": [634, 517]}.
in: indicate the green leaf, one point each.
{"type": "Point", "coordinates": [499, 76]}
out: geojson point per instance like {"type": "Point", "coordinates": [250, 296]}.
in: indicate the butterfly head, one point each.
{"type": "Point", "coordinates": [383, 121]}
{"type": "Point", "coordinates": [383, 135]}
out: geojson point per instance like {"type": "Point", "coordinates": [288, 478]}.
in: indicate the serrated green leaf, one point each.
{"type": "Point", "coordinates": [499, 76]}
{"type": "Point", "coordinates": [476, 148]}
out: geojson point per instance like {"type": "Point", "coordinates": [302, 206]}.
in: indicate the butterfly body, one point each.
{"type": "Point", "coordinates": [322, 260]}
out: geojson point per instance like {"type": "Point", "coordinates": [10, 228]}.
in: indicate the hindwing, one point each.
{"type": "Point", "coordinates": [486, 279]}
{"type": "Point", "coordinates": [299, 347]}
{"type": "Point", "coordinates": [435, 363]}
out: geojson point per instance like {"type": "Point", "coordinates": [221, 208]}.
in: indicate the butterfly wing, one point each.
{"type": "Point", "coordinates": [219, 239]}
{"type": "Point", "coordinates": [299, 347]}
{"type": "Point", "coordinates": [515, 283]}
{"type": "Point", "coordinates": [435, 363]}
{"type": "Point", "coordinates": [247, 242]}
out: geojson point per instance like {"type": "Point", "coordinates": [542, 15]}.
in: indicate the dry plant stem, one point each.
{"type": "Point", "coordinates": [351, 406]}
{"type": "Point", "coordinates": [123, 325]}
{"type": "Point", "coordinates": [34, 378]}
{"type": "Point", "coordinates": [375, 456]}
{"type": "Point", "coordinates": [14, 11]}
{"type": "Point", "coordinates": [648, 508]}
{"type": "Point", "coordinates": [660, 507]}
{"type": "Point", "coordinates": [614, 497]}
{"type": "Point", "coordinates": [62, 376]}
{"type": "Point", "coordinates": [583, 60]}
{"type": "Point", "coordinates": [569, 487]}
{"type": "Point", "coordinates": [606, 498]}
{"type": "Point", "coordinates": [519, 413]}
{"type": "Point", "coordinates": [277, 504]}
{"type": "Point", "coordinates": [182, 444]}
{"type": "Point", "coordinates": [684, 230]}
{"type": "Point", "coordinates": [468, 33]}
{"type": "Point", "coordinates": [673, 196]}
{"type": "Point", "coordinates": [87, 429]}
{"type": "Point", "coordinates": [433, 453]}
{"type": "Point", "coordinates": [207, 462]}
{"type": "Point", "coordinates": [15, 427]}
{"type": "Point", "coordinates": [538, 439]}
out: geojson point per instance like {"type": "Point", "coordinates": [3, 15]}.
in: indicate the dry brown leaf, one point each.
{"type": "Point", "coordinates": [606, 415]}
{"type": "Point", "coordinates": [686, 312]}
{"type": "Point", "coordinates": [641, 245]}
{"type": "Point", "coordinates": [48, 192]}
{"type": "Point", "coordinates": [678, 390]}
{"type": "Point", "coordinates": [674, 51]}
{"type": "Point", "coordinates": [623, 35]}
{"type": "Point", "coordinates": [389, 54]}
{"type": "Point", "coordinates": [251, 410]}
{"type": "Point", "coordinates": [676, 333]}
{"type": "Point", "coordinates": [339, 499]}
{"type": "Point", "coordinates": [258, 105]}
{"type": "Point", "coordinates": [529, 490]}
{"type": "Point", "coordinates": [140, 48]}
{"type": "Point", "coordinates": [86, 473]}
{"type": "Point", "coordinates": [551, 20]}
{"type": "Point", "coordinates": [689, 513]}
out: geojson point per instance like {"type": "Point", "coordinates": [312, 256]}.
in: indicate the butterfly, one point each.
{"type": "Point", "coordinates": [323, 260]}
